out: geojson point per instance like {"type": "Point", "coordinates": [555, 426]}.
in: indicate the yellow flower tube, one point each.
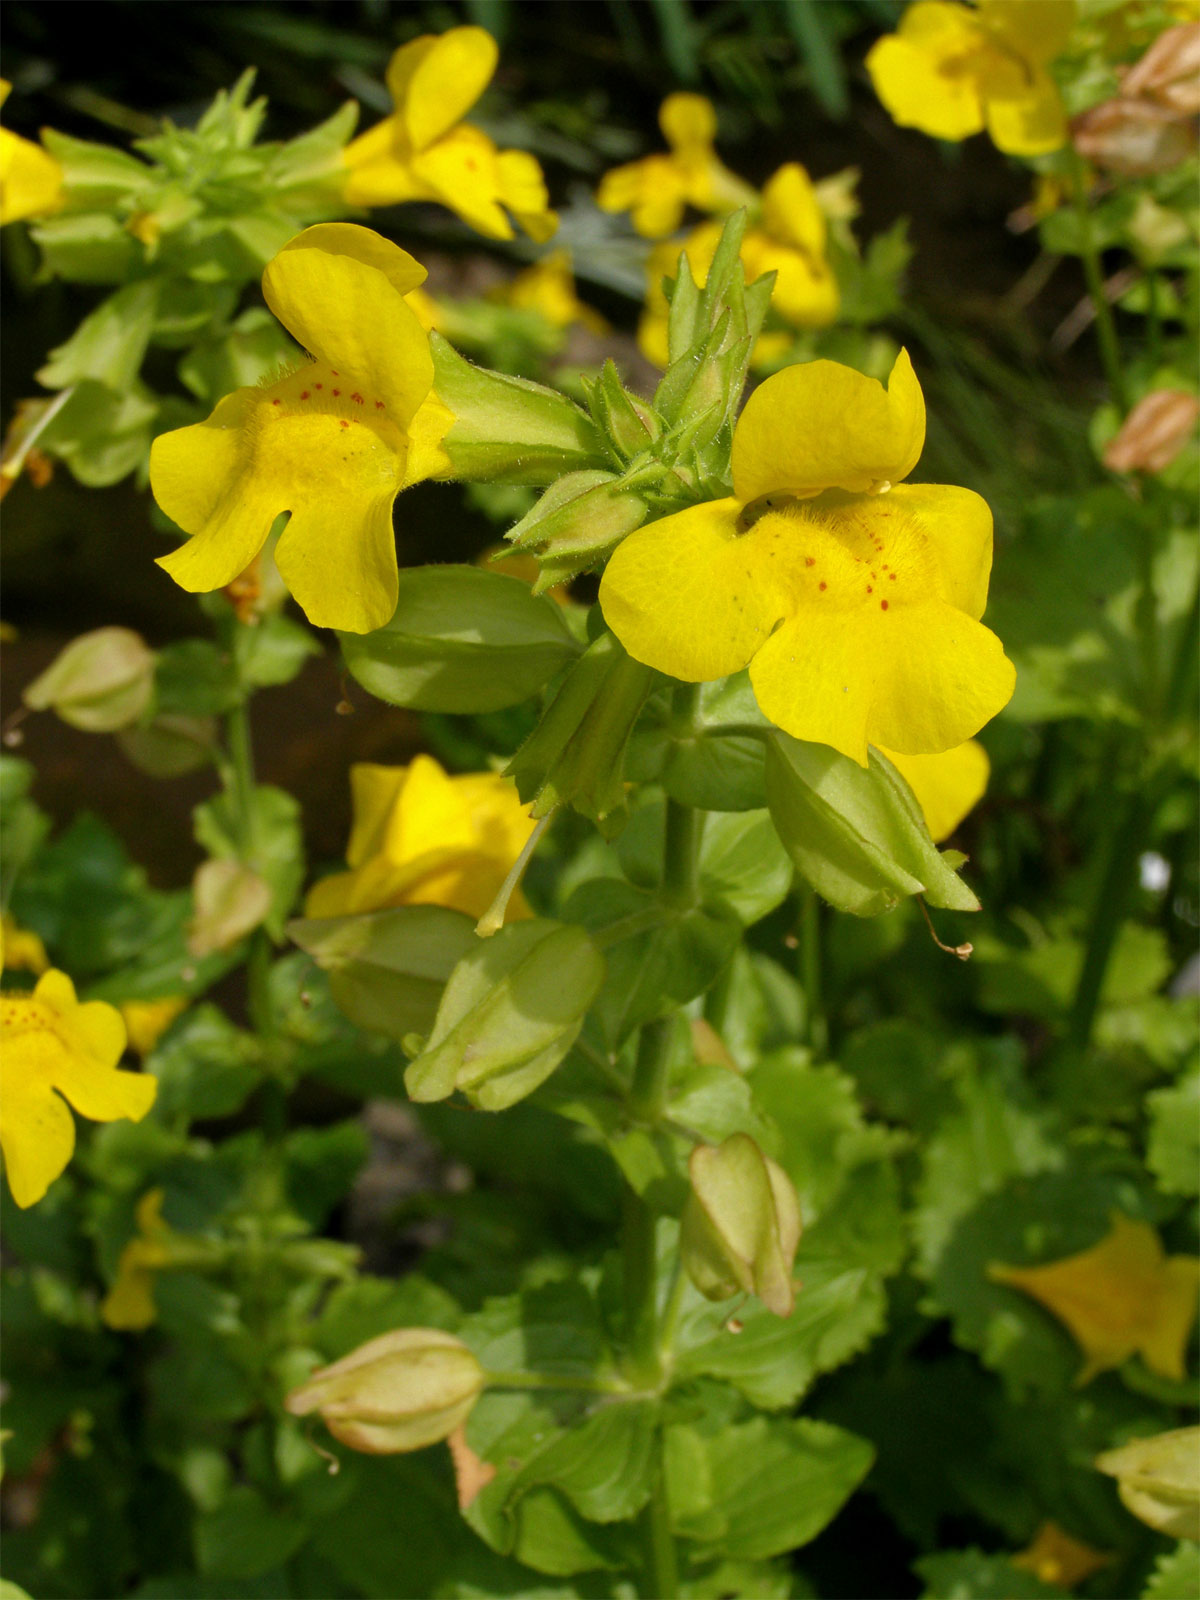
{"type": "Point", "coordinates": [333, 443]}
{"type": "Point", "coordinates": [424, 151]}
{"type": "Point", "coordinates": [421, 837]}
{"type": "Point", "coordinates": [56, 1050]}
{"type": "Point", "coordinates": [855, 604]}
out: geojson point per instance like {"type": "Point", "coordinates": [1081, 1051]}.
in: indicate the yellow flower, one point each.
{"type": "Point", "coordinates": [1057, 1558]}
{"type": "Point", "coordinates": [549, 288]}
{"type": "Point", "coordinates": [421, 837]}
{"type": "Point", "coordinates": [22, 949]}
{"type": "Point", "coordinates": [952, 70]}
{"type": "Point", "coordinates": [55, 1050]}
{"type": "Point", "coordinates": [130, 1302]}
{"type": "Point", "coordinates": [1122, 1297]}
{"type": "Point", "coordinates": [789, 239]}
{"type": "Point", "coordinates": [947, 786]}
{"type": "Point", "coordinates": [333, 443]}
{"type": "Point", "coordinates": [657, 189]}
{"type": "Point", "coordinates": [147, 1020]}
{"type": "Point", "coordinates": [856, 609]}
{"type": "Point", "coordinates": [30, 178]}
{"type": "Point", "coordinates": [423, 152]}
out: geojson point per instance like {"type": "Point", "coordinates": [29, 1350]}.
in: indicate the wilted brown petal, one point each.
{"type": "Point", "coordinates": [1154, 432]}
{"type": "Point", "coordinates": [1169, 72]}
{"type": "Point", "coordinates": [1134, 137]}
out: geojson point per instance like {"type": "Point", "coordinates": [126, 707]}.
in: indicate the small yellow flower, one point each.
{"type": "Point", "coordinates": [333, 443]}
{"type": "Point", "coordinates": [129, 1304]}
{"type": "Point", "coordinates": [657, 189]}
{"type": "Point", "coordinates": [147, 1020]}
{"type": "Point", "coordinates": [548, 288]}
{"type": "Point", "coordinates": [1057, 1558]}
{"type": "Point", "coordinates": [789, 240]}
{"type": "Point", "coordinates": [947, 786]}
{"type": "Point", "coordinates": [856, 609]}
{"type": "Point", "coordinates": [952, 70]}
{"type": "Point", "coordinates": [421, 837]}
{"type": "Point", "coordinates": [424, 152]}
{"type": "Point", "coordinates": [30, 178]}
{"type": "Point", "coordinates": [56, 1050]}
{"type": "Point", "coordinates": [1122, 1297]}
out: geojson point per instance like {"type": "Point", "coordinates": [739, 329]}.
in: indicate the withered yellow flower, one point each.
{"type": "Point", "coordinates": [421, 837]}
{"type": "Point", "coordinates": [952, 70]}
{"type": "Point", "coordinates": [423, 151]}
{"type": "Point", "coordinates": [854, 603]}
{"type": "Point", "coordinates": [333, 443]}
{"type": "Point", "coordinates": [1123, 1297]}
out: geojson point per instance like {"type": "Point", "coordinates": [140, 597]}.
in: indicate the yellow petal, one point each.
{"type": "Point", "coordinates": [522, 188]}
{"type": "Point", "coordinates": [653, 191]}
{"type": "Point", "coordinates": [380, 175]}
{"type": "Point", "coordinates": [1028, 124]}
{"type": "Point", "coordinates": [947, 786]}
{"type": "Point", "coordinates": [429, 815]}
{"type": "Point", "coordinates": [957, 525]}
{"type": "Point", "coordinates": [690, 597]}
{"type": "Point", "coordinates": [426, 458]}
{"type": "Point", "coordinates": [687, 120]}
{"type": "Point", "coordinates": [374, 790]}
{"type": "Point", "coordinates": [1119, 1298]}
{"type": "Point", "coordinates": [349, 314]}
{"type": "Point", "coordinates": [501, 823]}
{"type": "Point", "coordinates": [919, 678]}
{"type": "Point", "coordinates": [37, 1133]}
{"type": "Point", "coordinates": [1056, 1557]}
{"type": "Point", "coordinates": [147, 1020]}
{"type": "Point", "coordinates": [912, 80]}
{"type": "Point", "coordinates": [460, 170]}
{"type": "Point", "coordinates": [806, 291]}
{"type": "Point", "coordinates": [436, 79]}
{"type": "Point", "coordinates": [403, 272]}
{"type": "Point", "coordinates": [30, 179]}
{"type": "Point", "coordinates": [790, 212]}
{"type": "Point", "coordinates": [1037, 29]}
{"type": "Point", "coordinates": [820, 425]}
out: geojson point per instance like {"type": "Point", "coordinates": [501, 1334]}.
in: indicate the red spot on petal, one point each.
{"type": "Point", "coordinates": [319, 386]}
{"type": "Point", "coordinates": [357, 398]}
{"type": "Point", "coordinates": [822, 586]}
{"type": "Point", "coordinates": [274, 402]}
{"type": "Point", "coordinates": [304, 395]}
{"type": "Point", "coordinates": [332, 373]}
{"type": "Point", "coordinates": [379, 405]}
{"type": "Point", "coordinates": [345, 424]}
{"type": "Point", "coordinates": [883, 605]}
{"type": "Point", "coordinates": [810, 561]}
{"type": "Point", "coordinates": [335, 392]}
{"type": "Point", "coordinates": [870, 588]}
{"type": "Point", "coordinates": [892, 576]}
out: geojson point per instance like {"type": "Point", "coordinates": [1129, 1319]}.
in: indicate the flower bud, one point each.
{"type": "Point", "coordinates": [576, 754]}
{"type": "Point", "coordinates": [512, 1009]}
{"type": "Point", "coordinates": [1154, 432]}
{"type": "Point", "coordinates": [402, 1391]}
{"type": "Point", "coordinates": [102, 681]}
{"type": "Point", "coordinates": [1158, 1479]}
{"type": "Point", "coordinates": [628, 424]}
{"type": "Point", "coordinates": [741, 1224]}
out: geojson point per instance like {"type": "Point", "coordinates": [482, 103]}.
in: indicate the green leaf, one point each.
{"type": "Point", "coordinates": [275, 849]}
{"type": "Point", "coordinates": [668, 957]}
{"type": "Point", "coordinates": [387, 969]}
{"type": "Point", "coordinates": [108, 346]}
{"type": "Point", "coordinates": [856, 833]}
{"type": "Point", "coordinates": [205, 1066]}
{"type": "Point", "coordinates": [772, 1484]}
{"type": "Point", "coordinates": [1176, 1576]}
{"type": "Point", "coordinates": [23, 824]}
{"type": "Point", "coordinates": [1173, 1154]}
{"type": "Point", "coordinates": [461, 639]}
{"type": "Point", "coordinates": [251, 350]}
{"type": "Point", "coordinates": [273, 651]}
{"type": "Point", "coordinates": [245, 1536]}
{"type": "Point", "coordinates": [700, 764]}
{"type": "Point", "coordinates": [603, 1464]}
{"type": "Point", "coordinates": [103, 435]}
{"type": "Point", "coordinates": [366, 1307]}
{"type": "Point", "coordinates": [972, 1575]}
{"type": "Point", "coordinates": [195, 678]}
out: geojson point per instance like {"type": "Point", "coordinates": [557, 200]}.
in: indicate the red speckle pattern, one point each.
{"type": "Point", "coordinates": [883, 605]}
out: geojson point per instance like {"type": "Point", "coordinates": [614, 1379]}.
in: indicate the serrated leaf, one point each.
{"type": "Point", "coordinates": [1173, 1153]}
{"type": "Point", "coordinates": [1176, 1576]}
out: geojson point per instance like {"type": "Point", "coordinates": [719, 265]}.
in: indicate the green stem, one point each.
{"type": "Point", "coordinates": [548, 1380]}
{"type": "Point", "coordinates": [661, 1580]}
{"type": "Point", "coordinates": [639, 1253]}
{"type": "Point", "coordinates": [240, 780]}
{"type": "Point", "coordinates": [652, 1070]}
{"type": "Point", "coordinates": [1093, 271]}
{"type": "Point", "coordinates": [809, 936]}
{"type": "Point", "coordinates": [1112, 902]}
{"type": "Point", "coordinates": [1153, 319]}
